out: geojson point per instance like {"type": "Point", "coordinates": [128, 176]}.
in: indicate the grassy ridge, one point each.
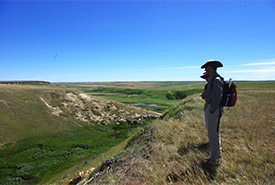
{"type": "Point", "coordinates": [173, 150]}
{"type": "Point", "coordinates": [23, 114]}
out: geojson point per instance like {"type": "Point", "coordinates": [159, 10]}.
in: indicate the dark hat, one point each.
{"type": "Point", "coordinates": [204, 76]}
{"type": "Point", "coordinates": [213, 63]}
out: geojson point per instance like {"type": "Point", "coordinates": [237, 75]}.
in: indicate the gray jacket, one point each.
{"type": "Point", "coordinates": [213, 92]}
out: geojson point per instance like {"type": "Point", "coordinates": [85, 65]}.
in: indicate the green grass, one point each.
{"type": "Point", "coordinates": [23, 114]}
{"type": "Point", "coordinates": [256, 85]}
{"type": "Point", "coordinates": [40, 157]}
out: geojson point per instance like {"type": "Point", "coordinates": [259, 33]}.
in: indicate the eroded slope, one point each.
{"type": "Point", "coordinates": [33, 110]}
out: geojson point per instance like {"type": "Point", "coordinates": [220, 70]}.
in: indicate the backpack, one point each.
{"type": "Point", "coordinates": [229, 97]}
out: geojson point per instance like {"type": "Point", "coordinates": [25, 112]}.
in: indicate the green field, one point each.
{"type": "Point", "coordinates": [153, 92]}
{"type": "Point", "coordinates": [40, 157]}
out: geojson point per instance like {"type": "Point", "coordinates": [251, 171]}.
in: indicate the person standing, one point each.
{"type": "Point", "coordinates": [206, 77]}
{"type": "Point", "coordinates": [213, 109]}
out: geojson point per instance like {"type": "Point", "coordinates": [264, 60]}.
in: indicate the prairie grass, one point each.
{"type": "Point", "coordinates": [176, 149]}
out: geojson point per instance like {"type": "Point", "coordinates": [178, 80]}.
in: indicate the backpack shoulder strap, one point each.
{"type": "Point", "coordinates": [217, 77]}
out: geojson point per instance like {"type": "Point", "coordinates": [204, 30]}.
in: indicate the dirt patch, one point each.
{"type": "Point", "coordinates": [81, 177]}
{"type": "Point", "coordinates": [85, 97]}
{"type": "Point", "coordinates": [92, 110]}
{"type": "Point", "coordinates": [1, 145]}
{"type": "Point", "coordinates": [55, 111]}
{"type": "Point", "coordinates": [4, 102]}
{"type": "Point", "coordinates": [72, 97]}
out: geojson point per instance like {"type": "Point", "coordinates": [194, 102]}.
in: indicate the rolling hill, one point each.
{"type": "Point", "coordinates": [39, 110]}
{"type": "Point", "coordinates": [48, 130]}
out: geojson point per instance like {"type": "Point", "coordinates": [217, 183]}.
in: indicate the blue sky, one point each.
{"type": "Point", "coordinates": [86, 41]}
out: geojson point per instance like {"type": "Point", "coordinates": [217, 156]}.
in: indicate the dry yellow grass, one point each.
{"type": "Point", "coordinates": [173, 151]}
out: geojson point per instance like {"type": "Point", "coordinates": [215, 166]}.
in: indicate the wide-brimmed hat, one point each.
{"type": "Point", "coordinates": [204, 76]}
{"type": "Point", "coordinates": [213, 63]}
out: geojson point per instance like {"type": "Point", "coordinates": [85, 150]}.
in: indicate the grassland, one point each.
{"type": "Point", "coordinates": [37, 145]}
{"type": "Point", "coordinates": [174, 150]}
{"type": "Point", "coordinates": [23, 114]}
{"type": "Point", "coordinates": [170, 151]}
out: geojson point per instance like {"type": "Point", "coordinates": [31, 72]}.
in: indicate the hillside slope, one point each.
{"type": "Point", "coordinates": [40, 110]}
{"type": "Point", "coordinates": [173, 150]}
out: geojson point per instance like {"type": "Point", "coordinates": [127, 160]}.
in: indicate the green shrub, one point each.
{"type": "Point", "coordinates": [179, 95]}
{"type": "Point", "coordinates": [170, 96]}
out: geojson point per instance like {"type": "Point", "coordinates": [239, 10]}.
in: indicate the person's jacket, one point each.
{"type": "Point", "coordinates": [213, 92]}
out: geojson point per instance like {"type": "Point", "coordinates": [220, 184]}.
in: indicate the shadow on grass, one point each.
{"type": "Point", "coordinates": [210, 170]}
{"type": "Point", "coordinates": [183, 150]}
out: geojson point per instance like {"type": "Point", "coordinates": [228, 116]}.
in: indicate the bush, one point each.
{"type": "Point", "coordinates": [179, 95]}
{"type": "Point", "coordinates": [170, 96]}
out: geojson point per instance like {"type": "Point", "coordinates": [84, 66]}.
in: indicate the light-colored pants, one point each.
{"type": "Point", "coordinates": [212, 121]}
